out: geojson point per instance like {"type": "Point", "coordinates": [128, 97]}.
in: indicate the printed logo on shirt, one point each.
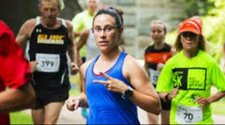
{"type": "Point", "coordinates": [190, 78]}
{"type": "Point", "coordinates": [50, 39]}
{"type": "Point", "coordinates": [38, 30]}
{"type": "Point", "coordinates": [160, 57]}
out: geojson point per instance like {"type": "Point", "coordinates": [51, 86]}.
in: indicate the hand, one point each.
{"type": "Point", "coordinates": [33, 65]}
{"type": "Point", "coordinates": [173, 93]}
{"type": "Point", "coordinates": [73, 104]}
{"type": "Point", "coordinates": [203, 101]}
{"type": "Point", "coordinates": [159, 67]}
{"type": "Point", "coordinates": [74, 68]}
{"type": "Point", "coordinates": [112, 84]}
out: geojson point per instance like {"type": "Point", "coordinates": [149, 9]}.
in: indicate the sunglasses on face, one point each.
{"type": "Point", "coordinates": [189, 35]}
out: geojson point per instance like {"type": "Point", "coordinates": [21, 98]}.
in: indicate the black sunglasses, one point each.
{"type": "Point", "coordinates": [189, 34]}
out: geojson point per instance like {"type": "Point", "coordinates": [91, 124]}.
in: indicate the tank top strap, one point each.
{"type": "Point", "coordinates": [120, 61]}
{"type": "Point", "coordinates": [91, 66]}
{"type": "Point", "coordinates": [38, 20]}
{"type": "Point", "coordinates": [117, 65]}
{"type": "Point", "coordinates": [63, 22]}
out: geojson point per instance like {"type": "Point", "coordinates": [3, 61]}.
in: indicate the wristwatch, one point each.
{"type": "Point", "coordinates": [128, 93]}
{"type": "Point", "coordinates": [167, 97]}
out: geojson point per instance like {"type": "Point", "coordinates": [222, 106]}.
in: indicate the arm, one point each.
{"type": "Point", "coordinates": [82, 73]}
{"type": "Point", "coordinates": [216, 97]}
{"type": "Point", "coordinates": [73, 104]}
{"type": "Point", "coordinates": [14, 74]}
{"type": "Point", "coordinates": [25, 32]}
{"type": "Point", "coordinates": [79, 30]}
{"type": "Point", "coordinates": [169, 96]}
{"type": "Point", "coordinates": [23, 36]}
{"type": "Point", "coordinates": [144, 95]}
{"type": "Point", "coordinates": [206, 101]}
{"type": "Point", "coordinates": [72, 49]}
{"type": "Point", "coordinates": [16, 99]}
{"type": "Point", "coordinates": [83, 39]}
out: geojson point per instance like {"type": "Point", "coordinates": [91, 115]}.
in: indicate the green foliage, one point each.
{"type": "Point", "coordinates": [198, 7]}
{"type": "Point", "coordinates": [212, 13]}
{"type": "Point", "coordinates": [214, 23]}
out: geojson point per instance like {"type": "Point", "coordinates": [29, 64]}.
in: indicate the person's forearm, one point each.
{"type": "Point", "coordinates": [146, 102]}
{"type": "Point", "coordinates": [83, 101]}
{"type": "Point", "coordinates": [73, 53]}
{"type": "Point", "coordinates": [81, 42]}
{"type": "Point", "coordinates": [76, 34]}
{"type": "Point", "coordinates": [16, 99]}
{"type": "Point", "coordinates": [83, 39]}
{"type": "Point", "coordinates": [216, 97]}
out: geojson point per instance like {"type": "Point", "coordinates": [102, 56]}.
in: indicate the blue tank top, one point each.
{"type": "Point", "coordinates": [106, 107]}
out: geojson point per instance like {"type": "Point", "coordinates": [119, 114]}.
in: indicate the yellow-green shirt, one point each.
{"type": "Point", "coordinates": [82, 21]}
{"type": "Point", "coordinates": [194, 78]}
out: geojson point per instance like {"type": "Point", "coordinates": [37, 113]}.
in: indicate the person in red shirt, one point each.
{"type": "Point", "coordinates": [14, 75]}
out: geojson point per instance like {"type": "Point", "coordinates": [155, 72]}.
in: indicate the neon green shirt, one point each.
{"type": "Point", "coordinates": [82, 21]}
{"type": "Point", "coordinates": [194, 78]}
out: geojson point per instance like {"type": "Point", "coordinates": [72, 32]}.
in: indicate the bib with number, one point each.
{"type": "Point", "coordinates": [187, 115]}
{"type": "Point", "coordinates": [48, 62]}
{"type": "Point", "coordinates": [154, 75]}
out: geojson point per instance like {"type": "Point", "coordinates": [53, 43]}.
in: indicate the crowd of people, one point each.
{"type": "Point", "coordinates": [174, 82]}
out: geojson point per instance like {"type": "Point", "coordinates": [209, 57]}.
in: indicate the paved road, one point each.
{"type": "Point", "coordinates": [68, 117]}
{"type": "Point", "coordinates": [75, 117]}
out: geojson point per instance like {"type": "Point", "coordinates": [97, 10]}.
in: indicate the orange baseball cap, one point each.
{"type": "Point", "coordinates": [191, 25]}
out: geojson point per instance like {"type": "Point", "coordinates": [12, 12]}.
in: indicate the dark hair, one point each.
{"type": "Point", "coordinates": [115, 13]}
{"type": "Point", "coordinates": [201, 44]}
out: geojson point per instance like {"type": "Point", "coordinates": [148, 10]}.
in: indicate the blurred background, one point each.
{"type": "Point", "coordinates": [137, 17]}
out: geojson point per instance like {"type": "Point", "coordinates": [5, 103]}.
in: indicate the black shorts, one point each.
{"type": "Point", "coordinates": [45, 97]}
{"type": "Point", "coordinates": [166, 105]}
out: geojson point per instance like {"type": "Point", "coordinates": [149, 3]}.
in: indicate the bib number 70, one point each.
{"type": "Point", "coordinates": [185, 115]}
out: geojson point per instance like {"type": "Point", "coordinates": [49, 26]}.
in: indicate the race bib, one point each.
{"type": "Point", "coordinates": [188, 115]}
{"type": "Point", "coordinates": [48, 62]}
{"type": "Point", "coordinates": [154, 75]}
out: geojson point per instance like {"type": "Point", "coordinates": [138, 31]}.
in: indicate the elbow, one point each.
{"type": "Point", "coordinates": [156, 108]}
